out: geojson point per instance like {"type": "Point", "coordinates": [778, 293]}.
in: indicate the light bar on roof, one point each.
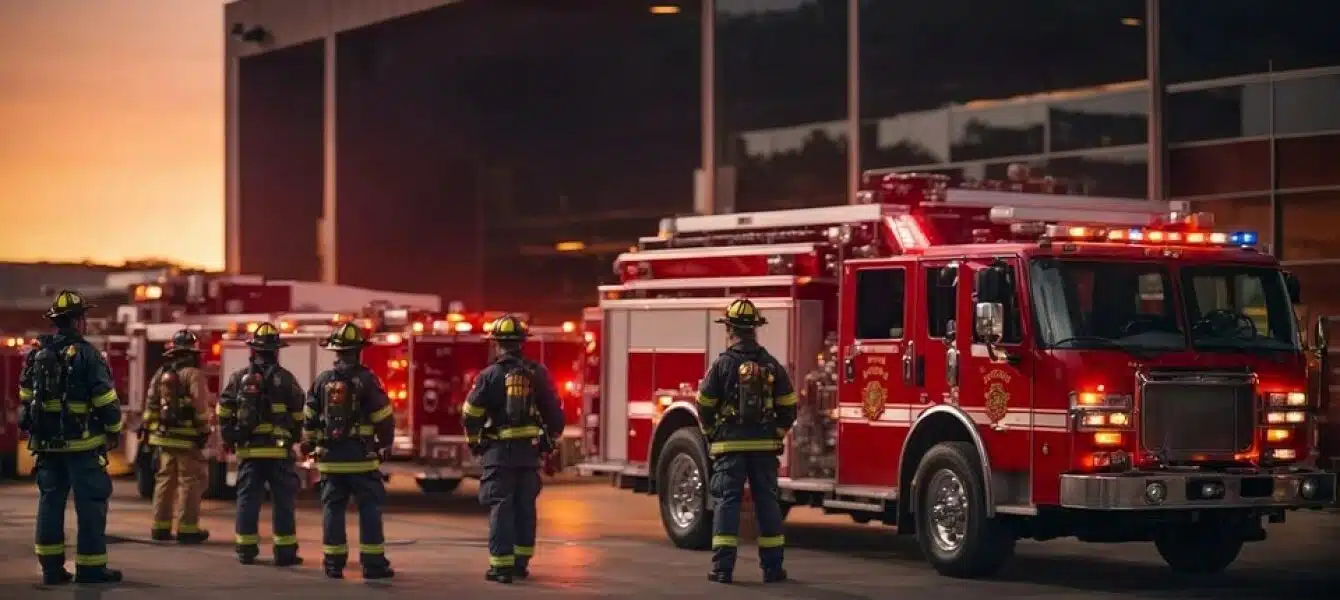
{"type": "Point", "coordinates": [1139, 235]}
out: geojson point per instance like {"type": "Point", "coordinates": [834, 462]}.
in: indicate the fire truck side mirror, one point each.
{"type": "Point", "coordinates": [1295, 288]}
{"type": "Point", "coordinates": [992, 284]}
{"type": "Point", "coordinates": [990, 322]}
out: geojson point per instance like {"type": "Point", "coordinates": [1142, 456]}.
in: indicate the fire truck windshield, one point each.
{"type": "Point", "coordinates": [1093, 305]}
{"type": "Point", "coordinates": [1238, 308]}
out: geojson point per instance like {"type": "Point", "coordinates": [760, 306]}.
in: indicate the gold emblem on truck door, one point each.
{"type": "Point", "coordinates": [873, 400]}
{"type": "Point", "coordinates": [997, 397]}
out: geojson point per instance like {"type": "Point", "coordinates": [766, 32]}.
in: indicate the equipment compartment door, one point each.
{"type": "Point", "coordinates": [1325, 377]}
{"type": "Point", "coordinates": [879, 374]}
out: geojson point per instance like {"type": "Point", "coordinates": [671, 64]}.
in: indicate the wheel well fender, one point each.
{"type": "Point", "coordinates": [941, 423]}
{"type": "Point", "coordinates": [677, 416]}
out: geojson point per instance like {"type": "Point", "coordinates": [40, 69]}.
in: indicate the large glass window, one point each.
{"type": "Point", "coordinates": [1116, 119]}
{"type": "Point", "coordinates": [1218, 113]}
{"type": "Point", "coordinates": [1097, 305]}
{"type": "Point", "coordinates": [781, 84]}
{"type": "Point", "coordinates": [1232, 308]}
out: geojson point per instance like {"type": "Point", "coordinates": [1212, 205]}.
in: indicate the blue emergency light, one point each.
{"type": "Point", "coordinates": [1242, 238]}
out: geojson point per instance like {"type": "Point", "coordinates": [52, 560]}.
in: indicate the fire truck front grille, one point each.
{"type": "Point", "coordinates": [1191, 416]}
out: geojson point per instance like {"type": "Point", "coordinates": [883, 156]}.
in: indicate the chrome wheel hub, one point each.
{"type": "Point", "coordinates": [685, 486]}
{"type": "Point", "coordinates": [948, 510]}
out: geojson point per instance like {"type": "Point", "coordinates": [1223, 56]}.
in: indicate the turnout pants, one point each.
{"type": "Point", "coordinates": [511, 494]}
{"type": "Point", "coordinates": [253, 476]}
{"type": "Point", "coordinates": [180, 483]}
{"type": "Point", "coordinates": [729, 474]}
{"type": "Point", "coordinates": [369, 492]}
{"type": "Point", "coordinates": [58, 473]}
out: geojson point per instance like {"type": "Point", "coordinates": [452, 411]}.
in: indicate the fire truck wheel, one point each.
{"type": "Point", "coordinates": [952, 527]}
{"type": "Point", "coordinates": [9, 466]}
{"type": "Point", "coordinates": [681, 481]}
{"type": "Point", "coordinates": [1199, 548]}
{"type": "Point", "coordinates": [217, 487]}
{"type": "Point", "coordinates": [146, 464]}
{"type": "Point", "coordinates": [438, 486]}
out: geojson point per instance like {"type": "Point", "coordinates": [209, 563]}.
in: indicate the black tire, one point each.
{"type": "Point", "coordinates": [1200, 548]}
{"type": "Point", "coordinates": [695, 531]}
{"type": "Point", "coordinates": [786, 509]}
{"type": "Point", "coordinates": [146, 466]}
{"type": "Point", "coordinates": [217, 487]}
{"type": "Point", "coordinates": [9, 466]}
{"type": "Point", "coordinates": [438, 486]}
{"type": "Point", "coordinates": [985, 544]}
{"type": "Point", "coordinates": [862, 518]}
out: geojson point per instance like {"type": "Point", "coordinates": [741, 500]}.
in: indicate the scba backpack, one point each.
{"type": "Point", "coordinates": [340, 397]}
{"type": "Point", "coordinates": [754, 392]}
{"type": "Point", "coordinates": [51, 372]}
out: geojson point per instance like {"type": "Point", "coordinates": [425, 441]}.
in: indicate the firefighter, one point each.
{"type": "Point", "coordinates": [176, 420]}
{"type": "Point", "coordinates": [746, 405]}
{"type": "Point", "coordinates": [512, 418]}
{"type": "Point", "coordinates": [260, 417]}
{"type": "Point", "coordinates": [72, 416]}
{"type": "Point", "coordinates": [349, 430]}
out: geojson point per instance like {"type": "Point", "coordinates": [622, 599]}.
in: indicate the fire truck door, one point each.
{"type": "Point", "coordinates": [878, 372]}
{"type": "Point", "coordinates": [997, 393]}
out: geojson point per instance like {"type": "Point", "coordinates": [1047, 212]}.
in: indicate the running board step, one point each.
{"type": "Point", "coordinates": [857, 506]}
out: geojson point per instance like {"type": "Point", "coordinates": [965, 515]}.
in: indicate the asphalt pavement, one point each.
{"type": "Point", "coordinates": [601, 542]}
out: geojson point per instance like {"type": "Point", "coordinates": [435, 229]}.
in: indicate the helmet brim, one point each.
{"type": "Point", "coordinates": [255, 345]}
{"type": "Point", "coordinates": [342, 345]}
{"type": "Point", "coordinates": [176, 351]}
{"type": "Point", "coordinates": [743, 324]}
{"type": "Point", "coordinates": [53, 313]}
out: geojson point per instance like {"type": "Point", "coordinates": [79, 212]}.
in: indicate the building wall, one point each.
{"type": "Point", "coordinates": [471, 138]}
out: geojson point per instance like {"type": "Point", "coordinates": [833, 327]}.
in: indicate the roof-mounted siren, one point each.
{"type": "Point", "coordinates": [667, 228]}
{"type": "Point", "coordinates": [907, 189]}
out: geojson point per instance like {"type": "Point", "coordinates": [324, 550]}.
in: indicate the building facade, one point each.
{"type": "Point", "coordinates": [503, 153]}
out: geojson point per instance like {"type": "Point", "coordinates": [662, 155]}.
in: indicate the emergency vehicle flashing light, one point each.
{"type": "Point", "coordinates": [1137, 235]}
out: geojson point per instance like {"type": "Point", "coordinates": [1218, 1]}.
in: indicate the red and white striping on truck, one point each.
{"type": "Point", "coordinates": [978, 366]}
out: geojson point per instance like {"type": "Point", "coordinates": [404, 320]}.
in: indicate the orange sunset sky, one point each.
{"type": "Point", "coordinates": [111, 130]}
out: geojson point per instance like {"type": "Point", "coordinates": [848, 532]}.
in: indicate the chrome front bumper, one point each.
{"type": "Point", "coordinates": [1163, 491]}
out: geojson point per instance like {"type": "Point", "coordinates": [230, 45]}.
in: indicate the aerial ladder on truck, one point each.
{"type": "Point", "coordinates": [874, 406]}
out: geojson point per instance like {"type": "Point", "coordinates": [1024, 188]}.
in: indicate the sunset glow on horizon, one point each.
{"type": "Point", "coordinates": [111, 131]}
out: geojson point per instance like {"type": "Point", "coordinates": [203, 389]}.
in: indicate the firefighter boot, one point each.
{"type": "Point", "coordinates": [378, 572]}
{"type": "Point", "coordinates": [160, 534]}
{"type": "Point", "coordinates": [96, 575]}
{"type": "Point", "coordinates": [287, 557]}
{"type": "Point", "coordinates": [721, 576]}
{"type": "Point", "coordinates": [774, 575]}
{"type": "Point", "coordinates": [192, 535]}
{"type": "Point", "coordinates": [53, 570]}
{"type": "Point", "coordinates": [499, 574]}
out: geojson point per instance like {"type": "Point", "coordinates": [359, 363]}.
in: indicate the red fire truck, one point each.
{"type": "Point", "coordinates": [214, 306]}
{"type": "Point", "coordinates": [427, 361]}
{"type": "Point", "coordinates": [12, 352]}
{"type": "Point", "coordinates": [979, 366]}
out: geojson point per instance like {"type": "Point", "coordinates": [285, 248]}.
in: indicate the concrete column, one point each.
{"type": "Point", "coordinates": [708, 74]}
{"type": "Point", "coordinates": [232, 195]}
{"type": "Point", "coordinates": [329, 222]}
{"type": "Point", "coordinates": [853, 99]}
{"type": "Point", "coordinates": [1158, 144]}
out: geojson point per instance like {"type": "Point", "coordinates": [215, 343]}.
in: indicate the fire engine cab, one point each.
{"type": "Point", "coordinates": [978, 366]}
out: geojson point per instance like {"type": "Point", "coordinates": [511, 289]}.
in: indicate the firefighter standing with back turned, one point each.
{"type": "Point", "coordinates": [512, 417]}
{"type": "Point", "coordinates": [72, 416]}
{"type": "Point", "coordinates": [349, 429]}
{"type": "Point", "coordinates": [176, 419]}
{"type": "Point", "coordinates": [260, 418]}
{"type": "Point", "coordinates": [746, 404]}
